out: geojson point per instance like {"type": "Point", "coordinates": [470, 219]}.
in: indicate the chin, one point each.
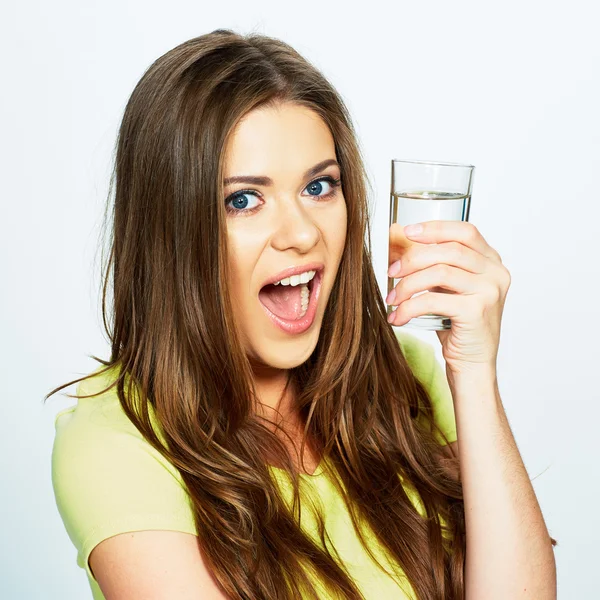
{"type": "Point", "coordinates": [288, 354]}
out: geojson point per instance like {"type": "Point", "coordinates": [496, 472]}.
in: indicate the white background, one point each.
{"type": "Point", "coordinates": [511, 87]}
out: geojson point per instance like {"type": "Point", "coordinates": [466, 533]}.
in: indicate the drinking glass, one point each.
{"type": "Point", "coordinates": [428, 191]}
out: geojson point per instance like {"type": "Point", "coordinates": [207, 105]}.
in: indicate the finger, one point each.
{"type": "Point", "coordinates": [461, 231]}
{"type": "Point", "coordinates": [398, 243]}
{"type": "Point", "coordinates": [450, 253]}
{"type": "Point", "coordinates": [441, 277]}
{"type": "Point", "coordinates": [429, 303]}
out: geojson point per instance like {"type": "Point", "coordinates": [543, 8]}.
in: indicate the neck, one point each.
{"type": "Point", "coordinates": [276, 396]}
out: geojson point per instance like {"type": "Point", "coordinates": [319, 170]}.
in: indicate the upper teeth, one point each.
{"type": "Point", "coordinates": [297, 279]}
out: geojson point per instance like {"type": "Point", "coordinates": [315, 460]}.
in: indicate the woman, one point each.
{"type": "Point", "coordinates": [259, 432]}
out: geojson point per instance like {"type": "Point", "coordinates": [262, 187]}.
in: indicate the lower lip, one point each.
{"type": "Point", "coordinates": [301, 325]}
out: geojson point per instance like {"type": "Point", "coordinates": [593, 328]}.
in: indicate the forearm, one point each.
{"type": "Point", "coordinates": [509, 552]}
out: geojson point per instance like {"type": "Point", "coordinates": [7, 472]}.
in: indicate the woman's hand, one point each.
{"type": "Point", "coordinates": [454, 256]}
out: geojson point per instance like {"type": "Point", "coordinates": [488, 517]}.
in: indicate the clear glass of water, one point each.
{"type": "Point", "coordinates": [428, 191]}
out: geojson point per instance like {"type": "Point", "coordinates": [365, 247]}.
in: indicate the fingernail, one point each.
{"type": "Point", "coordinates": [395, 269]}
{"type": "Point", "coordinates": [391, 297]}
{"type": "Point", "coordinates": [391, 316]}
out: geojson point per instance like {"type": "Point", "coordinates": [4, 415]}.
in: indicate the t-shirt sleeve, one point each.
{"type": "Point", "coordinates": [421, 357]}
{"type": "Point", "coordinates": [108, 480]}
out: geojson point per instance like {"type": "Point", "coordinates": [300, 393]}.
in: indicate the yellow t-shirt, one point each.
{"type": "Point", "coordinates": [108, 479]}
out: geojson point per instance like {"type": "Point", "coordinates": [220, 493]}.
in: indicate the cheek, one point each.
{"type": "Point", "coordinates": [236, 266]}
{"type": "Point", "coordinates": [336, 227]}
{"type": "Point", "coordinates": [244, 250]}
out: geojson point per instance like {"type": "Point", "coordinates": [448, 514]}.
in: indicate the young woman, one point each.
{"type": "Point", "coordinates": [259, 431]}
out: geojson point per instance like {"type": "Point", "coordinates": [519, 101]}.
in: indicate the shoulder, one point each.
{"type": "Point", "coordinates": [421, 358]}
{"type": "Point", "coordinates": [418, 353]}
{"type": "Point", "coordinates": [96, 431]}
{"type": "Point", "coordinates": [107, 478]}
{"type": "Point", "coordinates": [92, 416]}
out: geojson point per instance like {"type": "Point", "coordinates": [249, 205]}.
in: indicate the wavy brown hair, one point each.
{"type": "Point", "coordinates": [179, 354]}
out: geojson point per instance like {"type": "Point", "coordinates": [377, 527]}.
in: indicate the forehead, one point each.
{"type": "Point", "coordinates": [281, 139]}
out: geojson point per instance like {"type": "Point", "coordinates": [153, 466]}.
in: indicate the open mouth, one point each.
{"type": "Point", "coordinates": [292, 308]}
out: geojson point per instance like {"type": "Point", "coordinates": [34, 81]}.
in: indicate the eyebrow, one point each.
{"type": "Point", "coordinates": [262, 180]}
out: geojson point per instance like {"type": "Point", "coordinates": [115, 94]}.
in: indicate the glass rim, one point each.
{"type": "Point", "coordinates": [433, 163]}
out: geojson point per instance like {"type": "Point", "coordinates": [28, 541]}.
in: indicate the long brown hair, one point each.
{"type": "Point", "coordinates": [177, 348]}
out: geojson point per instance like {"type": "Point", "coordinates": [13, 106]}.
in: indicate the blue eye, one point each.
{"type": "Point", "coordinates": [317, 187]}
{"type": "Point", "coordinates": [240, 202]}
{"type": "Point", "coordinates": [237, 203]}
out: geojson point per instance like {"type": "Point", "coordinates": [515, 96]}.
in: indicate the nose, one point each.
{"type": "Point", "coordinates": [295, 226]}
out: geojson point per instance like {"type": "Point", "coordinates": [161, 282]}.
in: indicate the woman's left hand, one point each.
{"type": "Point", "coordinates": [452, 255]}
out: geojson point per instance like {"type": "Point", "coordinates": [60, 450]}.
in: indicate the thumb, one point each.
{"type": "Point", "coordinates": [398, 243]}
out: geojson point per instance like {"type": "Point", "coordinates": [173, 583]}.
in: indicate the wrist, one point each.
{"type": "Point", "coordinates": [476, 376]}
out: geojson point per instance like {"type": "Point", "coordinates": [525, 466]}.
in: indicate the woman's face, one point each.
{"type": "Point", "coordinates": [285, 210]}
